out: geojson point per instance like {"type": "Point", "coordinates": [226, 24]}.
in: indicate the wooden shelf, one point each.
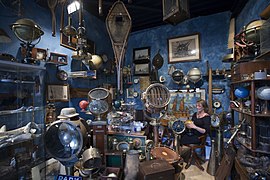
{"type": "Point", "coordinates": [250, 80]}
{"type": "Point", "coordinates": [253, 150]}
{"type": "Point", "coordinates": [250, 114]}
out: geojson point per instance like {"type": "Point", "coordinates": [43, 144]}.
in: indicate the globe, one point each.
{"type": "Point", "coordinates": [263, 93]}
{"type": "Point", "coordinates": [26, 30]}
{"type": "Point", "coordinates": [194, 75]}
{"type": "Point", "coordinates": [178, 76]}
{"type": "Point", "coordinates": [241, 92]}
{"type": "Point", "coordinates": [83, 104]}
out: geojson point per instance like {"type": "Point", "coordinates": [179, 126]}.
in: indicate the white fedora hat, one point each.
{"type": "Point", "coordinates": [67, 113]}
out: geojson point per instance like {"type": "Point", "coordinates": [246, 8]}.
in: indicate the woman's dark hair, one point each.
{"type": "Point", "coordinates": [204, 104]}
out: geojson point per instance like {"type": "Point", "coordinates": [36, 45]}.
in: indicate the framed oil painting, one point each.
{"type": "Point", "coordinates": [184, 48]}
{"type": "Point", "coordinates": [183, 103]}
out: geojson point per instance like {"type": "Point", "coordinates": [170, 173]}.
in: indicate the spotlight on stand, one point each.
{"type": "Point", "coordinates": [27, 31]}
{"type": "Point", "coordinates": [156, 97]}
{"type": "Point", "coordinates": [64, 141]}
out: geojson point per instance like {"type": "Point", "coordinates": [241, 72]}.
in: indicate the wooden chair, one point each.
{"type": "Point", "coordinates": [194, 156]}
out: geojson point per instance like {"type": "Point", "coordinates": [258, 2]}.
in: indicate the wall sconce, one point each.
{"type": "Point", "coordinates": [74, 6]}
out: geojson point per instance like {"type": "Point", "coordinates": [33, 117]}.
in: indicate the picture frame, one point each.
{"type": "Point", "coordinates": [141, 55]}
{"type": "Point", "coordinates": [141, 69]}
{"type": "Point", "coordinates": [64, 41]}
{"type": "Point", "coordinates": [130, 92]}
{"type": "Point", "coordinates": [57, 58]}
{"type": "Point", "coordinates": [189, 99]}
{"type": "Point", "coordinates": [58, 92]}
{"type": "Point", "coordinates": [184, 48]}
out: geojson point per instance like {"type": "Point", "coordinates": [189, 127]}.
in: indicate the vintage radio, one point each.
{"type": "Point", "coordinates": [175, 11]}
{"type": "Point", "coordinates": [155, 169]}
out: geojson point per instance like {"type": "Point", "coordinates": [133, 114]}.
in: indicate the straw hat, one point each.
{"type": "Point", "coordinates": [67, 113]}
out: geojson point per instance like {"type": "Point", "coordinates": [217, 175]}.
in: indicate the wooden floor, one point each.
{"type": "Point", "coordinates": [194, 173]}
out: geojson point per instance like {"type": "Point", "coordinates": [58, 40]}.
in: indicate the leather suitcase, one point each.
{"type": "Point", "coordinates": [155, 169]}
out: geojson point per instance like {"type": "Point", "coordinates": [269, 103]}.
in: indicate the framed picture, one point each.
{"type": "Point", "coordinates": [71, 43]}
{"type": "Point", "coordinates": [142, 69]}
{"type": "Point", "coordinates": [184, 48]}
{"type": "Point", "coordinates": [183, 103]}
{"type": "Point", "coordinates": [130, 92]}
{"type": "Point", "coordinates": [58, 92]}
{"type": "Point", "coordinates": [141, 55]}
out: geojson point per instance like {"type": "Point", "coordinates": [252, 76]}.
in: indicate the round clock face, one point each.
{"type": "Point", "coordinates": [217, 104]}
{"type": "Point", "coordinates": [136, 81]}
{"type": "Point", "coordinates": [62, 75]}
{"type": "Point", "coordinates": [178, 126]}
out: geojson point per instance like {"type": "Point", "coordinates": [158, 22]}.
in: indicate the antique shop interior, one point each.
{"type": "Point", "coordinates": [126, 89]}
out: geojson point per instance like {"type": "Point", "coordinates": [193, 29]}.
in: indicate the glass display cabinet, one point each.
{"type": "Point", "coordinates": [21, 119]}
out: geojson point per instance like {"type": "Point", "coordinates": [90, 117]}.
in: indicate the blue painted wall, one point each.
{"type": "Point", "coordinates": [213, 32]}
{"type": "Point", "coordinates": [95, 29]}
{"type": "Point", "coordinates": [250, 12]}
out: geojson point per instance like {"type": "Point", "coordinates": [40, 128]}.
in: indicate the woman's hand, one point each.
{"type": "Point", "coordinates": [191, 126]}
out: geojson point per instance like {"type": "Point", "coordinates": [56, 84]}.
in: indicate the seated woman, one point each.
{"type": "Point", "coordinates": [201, 122]}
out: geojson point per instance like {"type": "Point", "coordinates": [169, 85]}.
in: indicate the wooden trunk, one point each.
{"type": "Point", "coordinates": [155, 169]}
